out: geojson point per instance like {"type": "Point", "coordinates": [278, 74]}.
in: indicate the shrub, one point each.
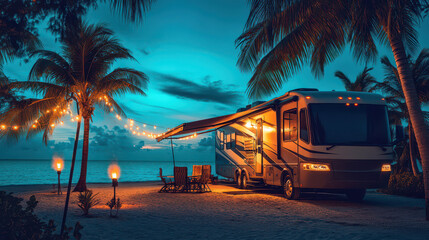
{"type": "Point", "coordinates": [17, 222]}
{"type": "Point", "coordinates": [406, 184]}
{"type": "Point", "coordinates": [87, 200]}
{"type": "Point", "coordinates": [112, 204]}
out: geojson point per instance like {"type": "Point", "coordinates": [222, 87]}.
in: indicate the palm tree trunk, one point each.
{"type": "Point", "coordinates": [415, 112]}
{"type": "Point", "coordinates": [81, 184]}
{"type": "Point", "coordinates": [412, 143]}
{"type": "Point", "coordinates": [66, 206]}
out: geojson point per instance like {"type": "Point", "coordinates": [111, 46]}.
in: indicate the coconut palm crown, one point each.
{"type": "Point", "coordinates": [363, 81]}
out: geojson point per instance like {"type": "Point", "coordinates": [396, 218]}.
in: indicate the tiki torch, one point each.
{"type": "Point", "coordinates": [58, 166]}
{"type": "Point", "coordinates": [114, 172]}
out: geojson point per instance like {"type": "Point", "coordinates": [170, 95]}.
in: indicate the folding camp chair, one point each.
{"type": "Point", "coordinates": [168, 185]}
{"type": "Point", "coordinates": [181, 179]}
{"type": "Point", "coordinates": [205, 177]}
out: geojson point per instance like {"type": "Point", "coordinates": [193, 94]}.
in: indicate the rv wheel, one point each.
{"type": "Point", "coordinates": [244, 181]}
{"type": "Point", "coordinates": [356, 195]}
{"type": "Point", "coordinates": [238, 177]}
{"type": "Point", "coordinates": [289, 191]}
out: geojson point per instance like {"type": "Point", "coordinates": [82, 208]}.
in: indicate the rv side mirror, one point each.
{"type": "Point", "coordinates": [399, 134]}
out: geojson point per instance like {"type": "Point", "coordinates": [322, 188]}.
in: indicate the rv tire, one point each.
{"type": "Point", "coordinates": [238, 177]}
{"type": "Point", "coordinates": [356, 195]}
{"type": "Point", "coordinates": [244, 181]}
{"type": "Point", "coordinates": [289, 191]}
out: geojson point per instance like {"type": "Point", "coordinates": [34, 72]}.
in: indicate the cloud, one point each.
{"type": "Point", "coordinates": [209, 91]}
{"type": "Point", "coordinates": [206, 143]}
{"type": "Point", "coordinates": [144, 51]}
{"type": "Point", "coordinates": [150, 147]}
{"type": "Point", "coordinates": [103, 138]}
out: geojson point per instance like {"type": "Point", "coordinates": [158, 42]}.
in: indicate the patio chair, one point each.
{"type": "Point", "coordinates": [197, 170]}
{"type": "Point", "coordinates": [205, 177]}
{"type": "Point", "coordinates": [168, 185]}
{"type": "Point", "coordinates": [195, 184]}
{"type": "Point", "coordinates": [180, 179]}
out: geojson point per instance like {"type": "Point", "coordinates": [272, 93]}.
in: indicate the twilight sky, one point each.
{"type": "Point", "coordinates": [187, 49]}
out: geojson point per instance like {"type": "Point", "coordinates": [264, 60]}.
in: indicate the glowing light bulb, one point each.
{"type": "Point", "coordinates": [59, 166]}
{"type": "Point", "coordinates": [154, 127]}
{"type": "Point", "coordinates": [114, 175]}
{"type": "Point", "coordinates": [34, 126]}
{"type": "Point", "coordinates": [52, 125]}
{"type": "Point", "coordinates": [144, 125]}
{"type": "Point", "coordinates": [3, 126]}
{"type": "Point", "coordinates": [62, 123]}
{"type": "Point", "coordinates": [15, 127]}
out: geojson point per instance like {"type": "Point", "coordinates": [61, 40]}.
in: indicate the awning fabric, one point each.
{"type": "Point", "coordinates": [217, 122]}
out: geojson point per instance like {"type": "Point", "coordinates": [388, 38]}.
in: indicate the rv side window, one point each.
{"type": "Point", "coordinates": [224, 139]}
{"type": "Point", "coordinates": [290, 125]}
{"type": "Point", "coordinates": [303, 127]}
{"type": "Point", "coordinates": [233, 140]}
{"type": "Point", "coordinates": [228, 141]}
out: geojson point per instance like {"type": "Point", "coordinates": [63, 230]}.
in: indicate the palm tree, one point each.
{"type": "Point", "coordinates": [391, 86]}
{"type": "Point", "coordinates": [8, 97]}
{"type": "Point", "coordinates": [281, 36]}
{"type": "Point", "coordinates": [87, 58]}
{"type": "Point", "coordinates": [363, 81]}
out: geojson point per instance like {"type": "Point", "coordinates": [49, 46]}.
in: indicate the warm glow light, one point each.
{"type": "Point", "coordinates": [386, 168]}
{"type": "Point", "coordinates": [349, 98]}
{"type": "Point", "coordinates": [3, 127]}
{"type": "Point", "coordinates": [358, 98]}
{"type": "Point", "coordinates": [62, 123]}
{"type": "Point", "coordinates": [52, 125]}
{"type": "Point", "coordinates": [308, 97]}
{"type": "Point", "coordinates": [347, 104]}
{"type": "Point", "coordinates": [356, 104]}
{"type": "Point", "coordinates": [341, 98]}
{"type": "Point", "coordinates": [315, 167]}
{"type": "Point", "coordinates": [34, 126]}
{"type": "Point", "coordinates": [114, 171]}
{"type": "Point", "coordinates": [144, 125]}
{"type": "Point", "coordinates": [154, 127]}
{"type": "Point", "coordinates": [382, 99]}
{"type": "Point", "coordinates": [15, 127]}
{"type": "Point", "coordinates": [47, 111]}
{"type": "Point", "coordinates": [77, 118]}
{"type": "Point", "coordinates": [57, 164]}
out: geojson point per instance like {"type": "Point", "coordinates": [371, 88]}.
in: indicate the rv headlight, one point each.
{"type": "Point", "coordinates": [315, 167]}
{"type": "Point", "coordinates": [386, 168]}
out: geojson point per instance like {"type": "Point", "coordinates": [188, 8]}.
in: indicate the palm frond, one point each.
{"type": "Point", "coordinates": [133, 10]}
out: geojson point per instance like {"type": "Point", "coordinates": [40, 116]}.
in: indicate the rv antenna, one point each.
{"type": "Point", "coordinates": [172, 151]}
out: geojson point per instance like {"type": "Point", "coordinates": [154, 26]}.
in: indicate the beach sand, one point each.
{"type": "Point", "coordinates": [231, 213]}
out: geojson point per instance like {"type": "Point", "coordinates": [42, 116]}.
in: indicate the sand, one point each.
{"type": "Point", "coordinates": [231, 213]}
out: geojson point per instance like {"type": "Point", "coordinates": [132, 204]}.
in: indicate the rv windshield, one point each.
{"type": "Point", "coordinates": [338, 124]}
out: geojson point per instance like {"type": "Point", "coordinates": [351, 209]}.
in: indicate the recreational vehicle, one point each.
{"type": "Point", "coordinates": [304, 140]}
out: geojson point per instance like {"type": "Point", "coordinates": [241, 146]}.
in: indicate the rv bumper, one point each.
{"type": "Point", "coordinates": [343, 179]}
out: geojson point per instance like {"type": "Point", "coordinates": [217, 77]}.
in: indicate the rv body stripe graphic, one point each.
{"type": "Point", "coordinates": [227, 158]}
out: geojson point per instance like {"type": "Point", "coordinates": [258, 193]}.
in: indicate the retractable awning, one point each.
{"type": "Point", "coordinates": [214, 123]}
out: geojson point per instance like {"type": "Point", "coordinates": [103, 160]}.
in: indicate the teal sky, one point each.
{"type": "Point", "coordinates": [187, 49]}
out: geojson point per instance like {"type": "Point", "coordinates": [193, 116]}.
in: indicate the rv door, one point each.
{"type": "Point", "coordinates": [258, 146]}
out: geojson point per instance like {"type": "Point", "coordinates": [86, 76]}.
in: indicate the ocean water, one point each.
{"type": "Point", "coordinates": [25, 172]}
